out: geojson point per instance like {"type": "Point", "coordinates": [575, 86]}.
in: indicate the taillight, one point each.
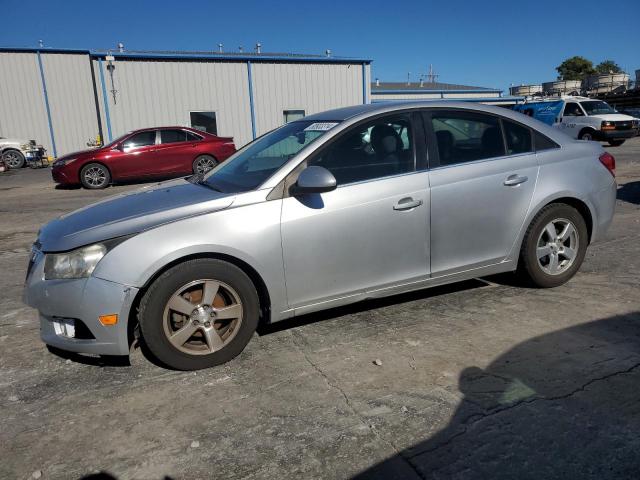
{"type": "Point", "coordinates": [609, 162]}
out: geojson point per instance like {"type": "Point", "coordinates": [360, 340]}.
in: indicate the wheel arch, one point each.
{"type": "Point", "coordinates": [263, 293]}
{"type": "Point", "coordinates": [587, 129]}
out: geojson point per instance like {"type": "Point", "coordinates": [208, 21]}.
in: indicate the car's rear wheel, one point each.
{"type": "Point", "coordinates": [199, 314]}
{"type": "Point", "coordinates": [203, 163]}
{"type": "Point", "coordinates": [554, 246]}
{"type": "Point", "coordinates": [13, 159]}
{"type": "Point", "coordinates": [616, 143]}
{"type": "Point", "coordinates": [94, 176]}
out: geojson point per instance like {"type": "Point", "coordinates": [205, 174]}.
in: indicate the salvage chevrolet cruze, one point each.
{"type": "Point", "coordinates": [360, 202]}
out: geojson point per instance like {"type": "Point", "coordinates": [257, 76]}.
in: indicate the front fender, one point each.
{"type": "Point", "coordinates": [250, 233]}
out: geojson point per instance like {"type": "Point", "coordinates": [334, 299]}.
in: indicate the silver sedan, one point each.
{"type": "Point", "coordinates": [337, 207]}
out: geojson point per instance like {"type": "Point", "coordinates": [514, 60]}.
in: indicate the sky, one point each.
{"type": "Point", "coordinates": [488, 44]}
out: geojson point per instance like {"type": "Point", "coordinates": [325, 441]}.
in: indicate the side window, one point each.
{"type": "Point", "coordinates": [572, 110]}
{"type": "Point", "coordinates": [141, 139]}
{"type": "Point", "coordinates": [544, 143]}
{"type": "Point", "coordinates": [377, 149]}
{"type": "Point", "coordinates": [172, 136]}
{"type": "Point", "coordinates": [466, 136]}
{"type": "Point", "coordinates": [205, 121]}
{"type": "Point", "coordinates": [518, 138]}
{"type": "Point", "coordinates": [192, 137]}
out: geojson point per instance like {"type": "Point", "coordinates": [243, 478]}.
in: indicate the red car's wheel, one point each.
{"type": "Point", "coordinates": [203, 163]}
{"type": "Point", "coordinates": [94, 176]}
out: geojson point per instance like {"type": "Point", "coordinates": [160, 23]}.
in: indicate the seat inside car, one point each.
{"type": "Point", "coordinates": [445, 146]}
{"type": "Point", "coordinates": [492, 145]}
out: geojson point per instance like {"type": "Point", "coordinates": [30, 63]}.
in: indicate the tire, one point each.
{"type": "Point", "coordinates": [204, 163]}
{"type": "Point", "coordinates": [13, 159]}
{"type": "Point", "coordinates": [540, 271]}
{"type": "Point", "coordinates": [94, 176]}
{"type": "Point", "coordinates": [206, 336]}
{"type": "Point", "coordinates": [616, 143]}
{"type": "Point", "coordinates": [586, 135]}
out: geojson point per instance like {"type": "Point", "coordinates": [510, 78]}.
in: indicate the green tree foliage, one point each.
{"type": "Point", "coordinates": [608, 66]}
{"type": "Point", "coordinates": [575, 68]}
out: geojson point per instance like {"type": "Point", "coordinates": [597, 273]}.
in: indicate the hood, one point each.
{"type": "Point", "coordinates": [80, 153]}
{"type": "Point", "coordinates": [130, 213]}
{"type": "Point", "coordinates": [613, 117]}
{"type": "Point", "coordinates": [13, 141]}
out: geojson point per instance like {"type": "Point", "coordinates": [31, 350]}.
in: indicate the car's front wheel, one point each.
{"type": "Point", "coordinates": [13, 159]}
{"type": "Point", "coordinates": [198, 314]}
{"type": "Point", "coordinates": [203, 163]}
{"type": "Point", "coordinates": [94, 176]}
{"type": "Point", "coordinates": [554, 246]}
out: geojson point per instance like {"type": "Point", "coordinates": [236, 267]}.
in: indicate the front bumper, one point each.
{"type": "Point", "coordinates": [615, 134]}
{"type": "Point", "coordinates": [60, 176]}
{"type": "Point", "coordinates": [83, 300]}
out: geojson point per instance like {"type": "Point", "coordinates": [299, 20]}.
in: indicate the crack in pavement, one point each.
{"type": "Point", "coordinates": [297, 336]}
{"type": "Point", "coordinates": [468, 422]}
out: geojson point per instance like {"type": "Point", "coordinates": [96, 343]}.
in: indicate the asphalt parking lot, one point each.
{"type": "Point", "coordinates": [483, 379]}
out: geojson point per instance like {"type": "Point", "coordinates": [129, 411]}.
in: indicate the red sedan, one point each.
{"type": "Point", "coordinates": [151, 152]}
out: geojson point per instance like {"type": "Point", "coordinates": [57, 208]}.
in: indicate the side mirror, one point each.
{"type": "Point", "coordinates": [314, 179]}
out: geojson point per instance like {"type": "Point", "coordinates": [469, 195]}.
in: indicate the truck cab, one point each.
{"type": "Point", "coordinates": [584, 118]}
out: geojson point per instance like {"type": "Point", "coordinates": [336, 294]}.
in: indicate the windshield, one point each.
{"type": "Point", "coordinates": [260, 159]}
{"type": "Point", "coordinates": [113, 143]}
{"type": "Point", "coordinates": [597, 107]}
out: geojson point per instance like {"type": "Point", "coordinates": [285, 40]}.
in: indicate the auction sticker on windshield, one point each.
{"type": "Point", "coordinates": [320, 126]}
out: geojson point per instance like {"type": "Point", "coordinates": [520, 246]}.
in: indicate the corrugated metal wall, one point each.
{"type": "Point", "coordinates": [159, 92]}
{"type": "Point", "coordinates": [155, 93]}
{"type": "Point", "coordinates": [71, 100]}
{"type": "Point", "coordinates": [303, 86]}
{"type": "Point", "coordinates": [22, 108]}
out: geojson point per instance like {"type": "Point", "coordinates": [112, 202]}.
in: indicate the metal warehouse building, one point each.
{"type": "Point", "coordinates": [389, 91]}
{"type": "Point", "coordinates": [65, 98]}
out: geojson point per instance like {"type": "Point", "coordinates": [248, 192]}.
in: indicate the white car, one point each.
{"type": "Point", "coordinates": [14, 151]}
{"type": "Point", "coordinates": [583, 118]}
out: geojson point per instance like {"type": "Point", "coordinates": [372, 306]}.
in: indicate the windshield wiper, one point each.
{"type": "Point", "coordinates": [198, 179]}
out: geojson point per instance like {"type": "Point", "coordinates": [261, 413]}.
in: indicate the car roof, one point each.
{"type": "Point", "coordinates": [358, 112]}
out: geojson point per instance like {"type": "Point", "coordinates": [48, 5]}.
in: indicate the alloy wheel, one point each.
{"type": "Point", "coordinates": [95, 176]}
{"type": "Point", "coordinates": [202, 317]}
{"type": "Point", "coordinates": [12, 159]}
{"type": "Point", "coordinates": [204, 164]}
{"type": "Point", "coordinates": [557, 246]}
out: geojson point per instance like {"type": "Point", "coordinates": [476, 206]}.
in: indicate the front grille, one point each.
{"type": "Point", "coordinates": [624, 125]}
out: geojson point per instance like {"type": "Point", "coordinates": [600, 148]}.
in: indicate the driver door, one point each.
{"type": "Point", "coordinates": [572, 119]}
{"type": "Point", "coordinates": [371, 232]}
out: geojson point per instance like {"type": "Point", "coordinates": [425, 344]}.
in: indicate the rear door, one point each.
{"type": "Point", "coordinates": [137, 155]}
{"type": "Point", "coordinates": [482, 181]}
{"type": "Point", "coordinates": [175, 153]}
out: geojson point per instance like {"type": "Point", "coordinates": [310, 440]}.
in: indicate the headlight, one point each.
{"type": "Point", "coordinates": [78, 263]}
{"type": "Point", "coordinates": [25, 146]}
{"type": "Point", "coordinates": [62, 163]}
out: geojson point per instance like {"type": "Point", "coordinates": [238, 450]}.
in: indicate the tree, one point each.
{"type": "Point", "coordinates": [575, 68]}
{"type": "Point", "coordinates": [608, 66]}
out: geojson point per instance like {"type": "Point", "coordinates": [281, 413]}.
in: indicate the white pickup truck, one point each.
{"type": "Point", "coordinates": [15, 153]}
{"type": "Point", "coordinates": [583, 118]}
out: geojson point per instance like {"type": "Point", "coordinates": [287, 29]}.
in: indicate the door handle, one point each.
{"type": "Point", "coordinates": [515, 180]}
{"type": "Point", "coordinates": [407, 203]}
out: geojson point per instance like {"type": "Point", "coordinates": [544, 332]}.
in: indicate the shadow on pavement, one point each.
{"type": "Point", "coordinates": [629, 192]}
{"type": "Point", "coordinates": [562, 405]}
{"type": "Point", "coordinates": [370, 304]}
